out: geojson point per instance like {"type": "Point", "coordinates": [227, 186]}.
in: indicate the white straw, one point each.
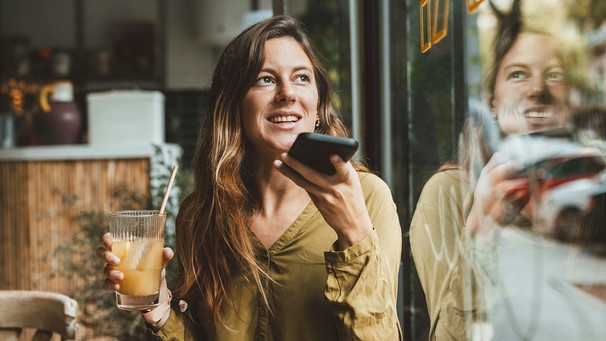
{"type": "Point", "coordinates": [170, 184]}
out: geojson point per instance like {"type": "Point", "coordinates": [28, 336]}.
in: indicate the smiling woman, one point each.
{"type": "Point", "coordinates": [531, 93]}
{"type": "Point", "coordinates": [283, 102]}
{"type": "Point", "coordinates": [266, 253]}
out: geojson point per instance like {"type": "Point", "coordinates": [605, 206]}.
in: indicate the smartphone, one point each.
{"type": "Point", "coordinates": [314, 150]}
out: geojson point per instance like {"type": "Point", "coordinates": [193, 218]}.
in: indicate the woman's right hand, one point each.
{"type": "Point", "coordinates": [339, 197]}
{"type": "Point", "coordinates": [494, 196]}
{"type": "Point", "coordinates": [114, 276]}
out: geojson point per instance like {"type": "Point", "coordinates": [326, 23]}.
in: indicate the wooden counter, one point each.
{"type": "Point", "coordinates": [36, 187]}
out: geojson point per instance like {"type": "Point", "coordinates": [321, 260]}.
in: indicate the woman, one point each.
{"type": "Point", "coordinates": [528, 93]}
{"type": "Point", "coordinates": [265, 253]}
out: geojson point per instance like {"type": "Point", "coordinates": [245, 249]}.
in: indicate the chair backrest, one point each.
{"type": "Point", "coordinates": [45, 312]}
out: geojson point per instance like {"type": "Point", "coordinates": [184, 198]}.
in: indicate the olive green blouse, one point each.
{"type": "Point", "coordinates": [438, 242]}
{"type": "Point", "coordinates": [314, 292]}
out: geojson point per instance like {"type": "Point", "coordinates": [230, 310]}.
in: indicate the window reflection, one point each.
{"type": "Point", "coordinates": [516, 239]}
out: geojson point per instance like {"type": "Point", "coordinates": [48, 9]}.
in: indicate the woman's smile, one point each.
{"type": "Point", "coordinates": [283, 101]}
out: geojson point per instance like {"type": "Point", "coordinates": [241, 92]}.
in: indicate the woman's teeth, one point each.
{"type": "Point", "coordinates": [537, 114]}
{"type": "Point", "coordinates": [280, 119]}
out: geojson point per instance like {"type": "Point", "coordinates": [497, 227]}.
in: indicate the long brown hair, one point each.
{"type": "Point", "coordinates": [213, 245]}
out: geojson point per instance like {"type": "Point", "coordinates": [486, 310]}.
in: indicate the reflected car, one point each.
{"type": "Point", "coordinates": [545, 175]}
{"type": "Point", "coordinates": [560, 211]}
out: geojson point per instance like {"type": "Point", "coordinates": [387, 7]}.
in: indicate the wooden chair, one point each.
{"type": "Point", "coordinates": [43, 312]}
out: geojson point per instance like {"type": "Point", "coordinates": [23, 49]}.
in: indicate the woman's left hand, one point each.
{"type": "Point", "coordinates": [338, 197]}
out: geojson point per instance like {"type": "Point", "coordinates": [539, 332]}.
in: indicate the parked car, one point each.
{"type": "Point", "coordinates": [561, 210]}
{"type": "Point", "coordinates": [544, 175]}
{"type": "Point", "coordinates": [563, 178]}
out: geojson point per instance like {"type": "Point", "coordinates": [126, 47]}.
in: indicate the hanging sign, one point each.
{"type": "Point", "coordinates": [433, 20]}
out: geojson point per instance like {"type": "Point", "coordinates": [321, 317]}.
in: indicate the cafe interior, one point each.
{"type": "Point", "coordinates": [100, 99]}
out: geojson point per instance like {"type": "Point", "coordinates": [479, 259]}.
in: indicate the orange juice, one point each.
{"type": "Point", "coordinates": [141, 264]}
{"type": "Point", "coordinates": [138, 237]}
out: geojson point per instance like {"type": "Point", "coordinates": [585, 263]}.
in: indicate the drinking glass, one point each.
{"type": "Point", "coordinates": [138, 240]}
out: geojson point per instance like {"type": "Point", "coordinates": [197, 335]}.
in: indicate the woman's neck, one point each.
{"type": "Point", "coordinates": [275, 189]}
{"type": "Point", "coordinates": [281, 201]}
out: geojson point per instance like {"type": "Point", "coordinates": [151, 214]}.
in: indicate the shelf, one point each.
{"type": "Point", "coordinates": [82, 152]}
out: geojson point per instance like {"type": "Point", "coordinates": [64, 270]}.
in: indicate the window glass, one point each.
{"type": "Point", "coordinates": [510, 271]}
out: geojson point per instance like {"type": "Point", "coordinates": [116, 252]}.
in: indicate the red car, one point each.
{"type": "Point", "coordinates": [547, 174]}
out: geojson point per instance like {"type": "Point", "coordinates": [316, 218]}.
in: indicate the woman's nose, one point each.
{"type": "Point", "coordinates": [286, 93]}
{"type": "Point", "coordinates": [537, 87]}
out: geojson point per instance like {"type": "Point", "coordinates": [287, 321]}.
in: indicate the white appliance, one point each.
{"type": "Point", "coordinates": [125, 118]}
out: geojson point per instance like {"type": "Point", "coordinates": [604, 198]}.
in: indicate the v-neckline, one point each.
{"type": "Point", "coordinates": [290, 232]}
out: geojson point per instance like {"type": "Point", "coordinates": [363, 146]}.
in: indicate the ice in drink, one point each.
{"type": "Point", "coordinates": [141, 264]}
{"type": "Point", "coordinates": [138, 240]}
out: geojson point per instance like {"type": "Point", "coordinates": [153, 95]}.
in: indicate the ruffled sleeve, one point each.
{"type": "Point", "coordinates": [362, 279]}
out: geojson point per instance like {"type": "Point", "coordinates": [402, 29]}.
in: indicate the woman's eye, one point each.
{"type": "Point", "coordinates": [517, 75]}
{"type": "Point", "coordinates": [303, 78]}
{"type": "Point", "coordinates": [264, 80]}
{"type": "Point", "coordinates": [557, 76]}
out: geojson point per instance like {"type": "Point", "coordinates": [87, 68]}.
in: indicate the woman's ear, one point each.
{"type": "Point", "coordinates": [492, 110]}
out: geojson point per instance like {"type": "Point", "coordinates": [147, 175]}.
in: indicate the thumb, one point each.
{"type": "Point", "coordinates": [167, 255]}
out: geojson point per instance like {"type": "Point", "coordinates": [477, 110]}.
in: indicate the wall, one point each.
{"type": "Point", "coordinates": [190, 55]}
{"type": "Point", "coordinates": [198, 31]}
{"type": "Point", "coordinates": [189, 64]}
{"type": "Point", "coordinates": [46, 23]}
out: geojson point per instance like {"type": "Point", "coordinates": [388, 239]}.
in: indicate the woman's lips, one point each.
{"type": "Point", "coordinates": [283, 119]}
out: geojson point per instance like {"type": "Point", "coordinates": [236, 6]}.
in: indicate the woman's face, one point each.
{"type": "Point", "coordinates": [530, 92]}
{"type": "Point", "coordinates": [283, 101]}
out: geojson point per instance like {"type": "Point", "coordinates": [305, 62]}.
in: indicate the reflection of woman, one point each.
{"type": "Point", "coordinates": [264, 253]}
{"type": "Point", "coordinates": [439, 243]}
{"type": "Point", "coordinates": [528, 94]}
{"type": "Point", "coordinates": [526, 281]}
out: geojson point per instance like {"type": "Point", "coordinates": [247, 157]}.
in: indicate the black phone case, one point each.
{"type": "Point", "coordinates": [314, 150]}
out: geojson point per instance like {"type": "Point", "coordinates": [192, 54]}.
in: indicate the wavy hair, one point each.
{"type": "Point", "coordinates": [213, 241]}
